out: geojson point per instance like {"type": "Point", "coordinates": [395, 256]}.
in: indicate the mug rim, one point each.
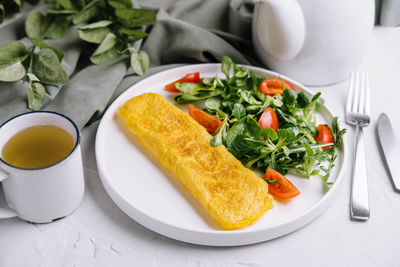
{"type": "Point", "coordinates": [77, 142]}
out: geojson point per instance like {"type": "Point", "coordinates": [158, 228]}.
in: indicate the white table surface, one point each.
{"type": "Point", "coordinates": [98, 233]}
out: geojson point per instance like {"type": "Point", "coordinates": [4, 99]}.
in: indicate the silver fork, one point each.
{"type": "Point", "coordinates": [358, 114]}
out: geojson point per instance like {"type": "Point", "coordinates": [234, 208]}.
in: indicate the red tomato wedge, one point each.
{"type": "Point", "coordinates": [273, 86]}
{"type": "Point", "coordinates": [188, 78]}
{"type": "Point", "coordinates": [324, 135]}
{"type": "Point", "coordinates": [269, 119]}
{"type": "Point", "coordinates": [206, 120]}
{"type": "Point", "coordinates": [283, 188]}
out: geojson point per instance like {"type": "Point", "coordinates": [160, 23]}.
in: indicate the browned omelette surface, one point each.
{"type": "Point", "coordinates": [233, 195]}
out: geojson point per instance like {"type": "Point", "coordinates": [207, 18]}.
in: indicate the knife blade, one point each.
{"type": "Point", "coordinates": [391, 149]}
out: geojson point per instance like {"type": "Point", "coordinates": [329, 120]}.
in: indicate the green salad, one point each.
{"type": "Point", "coordinates": [263, 121]}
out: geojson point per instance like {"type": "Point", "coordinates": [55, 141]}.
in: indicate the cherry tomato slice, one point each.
{"type": "Point", "coordinates": [324, 135]}
{"type": "Point", "coordinates": [188, 78]}
{"type": "Point", "coordinates": [283, 188]}
{"type": "Point", "coordinates": [269, 119]}
{"type": "Point", "coordinates": [206, 120]}
{"type": "Point", "coordinates": [273, 86]}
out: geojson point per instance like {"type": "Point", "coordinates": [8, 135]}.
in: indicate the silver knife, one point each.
{"type": "Point", "coordinates": [391, 149]}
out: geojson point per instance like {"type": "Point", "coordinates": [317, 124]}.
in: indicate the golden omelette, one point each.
{"type": "Point", "coordinates": [232, 194]}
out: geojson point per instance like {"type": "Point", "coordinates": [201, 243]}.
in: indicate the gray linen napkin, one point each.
{"type": "Point", "coordinates": [186, 32]}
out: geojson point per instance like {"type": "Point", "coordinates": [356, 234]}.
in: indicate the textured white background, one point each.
{"type": "Point", "coordinates": [99, 234]}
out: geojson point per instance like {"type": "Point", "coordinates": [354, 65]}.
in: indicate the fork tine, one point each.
{"type": "Point", "coordinates": [362, 99]}
{"type": "Point", "coordinates": [356, 98]}
{"type": "Point", "coordinates": [350, 93]}
{"type": "Point", "coordinates": [367, 95]}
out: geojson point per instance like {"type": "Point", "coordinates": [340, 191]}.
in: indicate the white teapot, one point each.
{"type": "Point", "coordinates": [316, 42]}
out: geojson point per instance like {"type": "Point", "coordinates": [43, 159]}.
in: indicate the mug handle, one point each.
{"type": "Point", "coordinates": [6, 212]}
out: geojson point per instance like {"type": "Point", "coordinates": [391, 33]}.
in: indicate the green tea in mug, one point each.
{"type": "Point", "coordinates": [37, 147]}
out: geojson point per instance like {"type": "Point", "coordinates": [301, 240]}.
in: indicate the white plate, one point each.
{"type": "Point", "coordinates": [153, 197]}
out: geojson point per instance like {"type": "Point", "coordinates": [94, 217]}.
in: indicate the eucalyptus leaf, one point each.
{"type": "Point", "coordinates": [61, 12]}
{"type": "Point", "coordinates": [67, 4]}
{"type": "Point", "coordinates": [136, 17]}
{"type": "Point", "coordinates": [36, 24]}
{"type": "Point", "coordinates": [57, 28]}
{"type": "Point", "coordinates": [12, 70]}
{"type": "Point", "coordinates": [118, 3]}
{"type": "Point", "coordinates": [43, 45]}
{"type": "Point", "coordinates": [32, 77]}
{"type": "Point", "coordinates": [140, 62]}
{"type": "Point", "coordinates": [2, 13]}
{"type": "Point", "coordinates": [11, 50]}
{"type": "Point", "coordinates": [88, 12]}
{"type": "Point", "coordinates": [47, 68]}
{"type": "Point", "coordinates": [36, 95]}
{"type": "Point", "coordinates": [133, 35]}
{"type": "Point", "coordinates": [95, 36]}
{"type": "Point", "coordinates": [79, 3]}
{"type": "Point", "coordinates": [106, 51]}
{"type": "Point", "coordinates": [109, 42]}
{"type": "Point", "coordinates": [18, 3]}
{"type": "Point", "coordinates": [105, 56]}
{"type": "Point", "coordinates": [98, 24]}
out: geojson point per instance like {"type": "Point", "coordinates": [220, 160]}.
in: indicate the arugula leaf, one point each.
{"type": "Point", "coordinates": [194, 92]}
{"type": "Point", "coordinates": [221, 135]}
{"type": "Point", "coordinates": [238, 101]}
{"type": "Point", "coordinates": [269, 133]}
{"type": "Point", "coordinates": [226, 65]}
{"type": "Point", "coordinates": [238, 111]}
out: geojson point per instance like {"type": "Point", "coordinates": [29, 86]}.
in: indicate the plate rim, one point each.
{"type": "Point", "coordinates": [142, 218]}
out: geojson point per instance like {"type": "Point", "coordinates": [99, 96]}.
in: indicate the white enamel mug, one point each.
{"type": "Point", "coordinates": [42, 195]}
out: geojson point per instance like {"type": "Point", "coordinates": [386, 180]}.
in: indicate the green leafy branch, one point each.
{"type": "Point", "coordinates": [113, 25]}
{"type": "Point", "coordinates": [9, 7]}
{"type": "Point", "coordinates": [110, 26]}
{"type": "Point", "coordinates": [36, 66]}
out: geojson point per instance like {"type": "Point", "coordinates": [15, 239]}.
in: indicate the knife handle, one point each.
{"type": "Point", "coordinates": [359, 202]}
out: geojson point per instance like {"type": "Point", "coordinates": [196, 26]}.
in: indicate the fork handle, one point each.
{"type": "Point", "coordinates": [359, 202]}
